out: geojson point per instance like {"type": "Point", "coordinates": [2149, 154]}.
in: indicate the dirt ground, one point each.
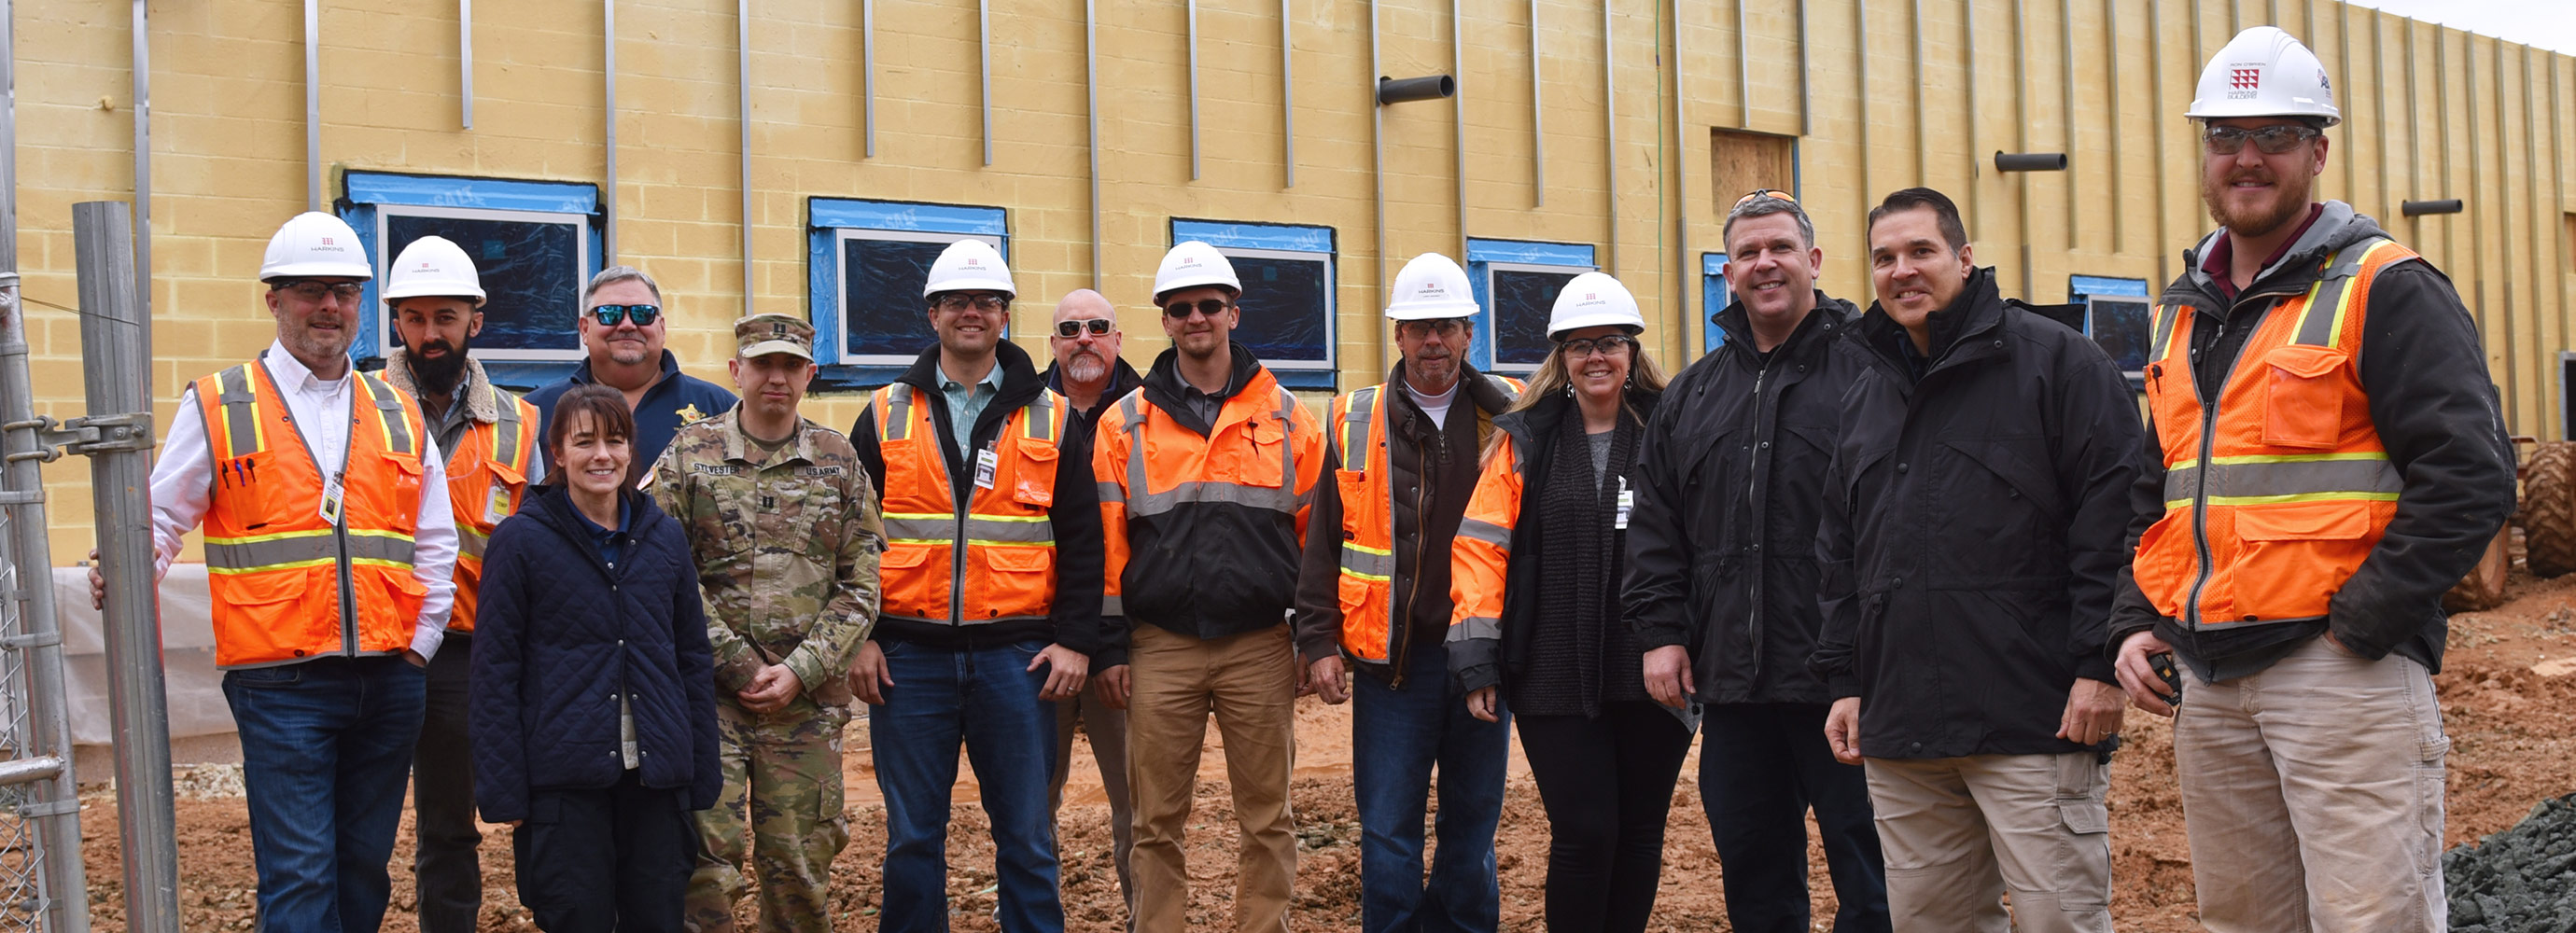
{"type": "Point", "coordinates": [2508, 699]}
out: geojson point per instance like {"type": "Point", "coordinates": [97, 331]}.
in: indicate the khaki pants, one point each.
{"type": "Point", "coordinates": [1250, 682]}
{"type": "Point", "coordinates": [1959, 832]}
{"type": "Point", "coordinates": [1108, 730]}
{"type": "Point", "coordinates": [2313, 795]}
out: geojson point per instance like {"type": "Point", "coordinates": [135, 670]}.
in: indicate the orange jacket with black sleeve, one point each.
{"type": "Point", "coordinates": [1204, 520]}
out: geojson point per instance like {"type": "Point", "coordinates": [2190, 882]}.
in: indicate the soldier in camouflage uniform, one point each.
{"type": "Point", "coordinates": [786, 532]}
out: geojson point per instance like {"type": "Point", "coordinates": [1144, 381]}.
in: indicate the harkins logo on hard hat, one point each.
{"type": "Point", "coordinates": [2245, 82]}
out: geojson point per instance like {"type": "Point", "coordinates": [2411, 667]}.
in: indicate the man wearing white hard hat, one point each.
{"type": "Point", "coordinates": [1206, 475]}
{"type": "Point", "coordinates": [330, 550]}
{"type": "Point", "coordinates": [489, 440]}
{"type": "Point", "coordinates": [991, 595]}
{"type": "Point", "coordinates": [2327, 459]}
{"type": "Point", "coordinates": [1373, 596]}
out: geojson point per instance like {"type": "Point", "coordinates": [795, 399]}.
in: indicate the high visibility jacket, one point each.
{"type": "Point", "coordinates": [998, 550]}
{"type": "Point", "coordinates": [1479, 565]}
{"type": "Point", "coordinates": [2276, 494]}
{"type": "Point", "coordinates": [487, 477]}
{"type": "Point", "coordinates": [287, 583]}
{"type": "Point", "coordinates": [1205, 531]}
{"type": "Point", "coordinates": [1365, 486]}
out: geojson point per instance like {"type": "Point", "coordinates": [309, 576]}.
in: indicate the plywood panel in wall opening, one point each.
{"type": "Point", "coordinates": [1741, 162]}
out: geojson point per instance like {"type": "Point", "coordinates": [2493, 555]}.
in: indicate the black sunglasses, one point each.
{"type": "Point", "coordinates": [642, 315]}
{"type": "Point", "coordinates": [1071, 329]}
{"type": "Point", "coordinates": [1180, 310]}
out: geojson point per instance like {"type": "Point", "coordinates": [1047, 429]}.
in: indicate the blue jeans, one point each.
{"type": "Point", "coordinates": [988, 699]}
{"type": "Point", "coordinates": [1397, 736]}
{"type": "Point", "coordinates": [326, 753]}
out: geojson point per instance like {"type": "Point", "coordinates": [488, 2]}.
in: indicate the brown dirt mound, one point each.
{"type": "Point", "coordinates": [2508, 695]}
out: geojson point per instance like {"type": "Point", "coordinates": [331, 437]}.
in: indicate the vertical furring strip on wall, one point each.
{"type": "Point", "coordinates": [1091, 116]}
{"type": "Point", "coordinates": [742, 59]}
{"type": "Point", "coordinates": [1743, 65]}
{"type": "Point", "coordinates": [1194, 91]}
{"type": "Point", "coordinates": [1377, 176]}
{"type": "Point", "coordinates": [1968, 72]}
{"type": "Point", "coordinates": [1860, 102]}
{"type": "Point", "coordinates": [2531, 205]}
{"type": "Point", "coordinates": [2156, 131]}
{"type": "Point", "coordinates": [1458, 110]}
{"type": "Point", "coordinates": [608, 122]}
{"type": "Point", "coordinates": [1922, 139]}
{"type": "Point", "coordinates": [1688, 281]}
{"type": "Point", "coordinates": [1538, 119]}
{"type": "Point", "coordinates": [984, 81]}
{"type": "Point", "coordinates": [2021, 136]}
{"type": "Point", "coordinates": [2111, 119]}
{"type": "Point", "coordinates": [1806, 87]}
{"type": "Point", "coordinates": [1287, 95]}
{"type": "Point", "coordinates": [142, 167]}
{"type": "Point", "coordinates": [312, 102]}
{"type": "Point", "coordinates": [1610, 135]}
{"type": "Point", "coordinates": [2558, 192]}
{"type": "Point", "coordinates": [465, 62]}
{"type": "Point", "coordinates": [868, 73]}
{"type": "Point", "coordinates": [2066, 101]}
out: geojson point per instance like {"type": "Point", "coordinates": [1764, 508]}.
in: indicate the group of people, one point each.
{"type": "Point", "coordinates": [1901, 567]}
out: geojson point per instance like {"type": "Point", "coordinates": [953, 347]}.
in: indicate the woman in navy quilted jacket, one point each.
{"type": "Point", "coordinates": [594, 718]}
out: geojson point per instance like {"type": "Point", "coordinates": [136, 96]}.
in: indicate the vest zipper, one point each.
{"type": "Point", "coordinates": [1403, 652]}
{"type": "Point", "coordinates": [2208, 426]}
{"type": "Point", "coordinates": [348, 593]}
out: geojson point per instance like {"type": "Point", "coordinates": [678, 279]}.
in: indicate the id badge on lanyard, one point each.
{"type": "Point", "coordinates": [987, 463]}
{"type": "Point", "coordinates": [332, 494]}
{"type": "Point", "coordinates": [1627, 501]}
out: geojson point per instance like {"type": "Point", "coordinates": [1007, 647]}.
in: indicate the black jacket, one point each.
{"type": "Point", "coordinates": [1973, 529]}
{"type": "Point", "coordinates": [1122, 380]}
{"type": "Point", "coordinates": [1533, 431]}
{"type": "Point", "coordinates": [2436, 412]}
{"type": "Point", "coordinates": [1721, 547]}
{"type": "Point", "coordinates": [1431, 473]}
{"type": "Point", "coordinates": [1074, 620]}
{"type": "Point", "coordinates": [560, 637]}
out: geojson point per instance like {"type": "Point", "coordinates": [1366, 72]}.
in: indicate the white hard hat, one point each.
{"type": "Point", "coordinates": [2263, 72]}
{"type": "Point", "coordinates": [433, 267]}
{"type": "Point", "coordinates": [1191, 264]}
{"type": "Point", "coordinates": [1431, 288]}
{"type": "Point", "coordinates": [315, 244]}
{"type": "Point", "coordinates": [1592, 300]}
{"type": "Point", "coordinates": [969, 266]}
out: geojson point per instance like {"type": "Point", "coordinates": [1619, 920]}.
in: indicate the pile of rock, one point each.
{"type": "Point", "coordinates": [2522, 880]}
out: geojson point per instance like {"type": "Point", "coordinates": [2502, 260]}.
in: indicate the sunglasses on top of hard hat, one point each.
{"type": "Point", "coordinates": [642, 315]}
{"type": "Point", "coordinates": [1772, 193]}
{"type": "Point", "coordinates": [311, 290]}
{"type": "Point", "coordinates": [2270, 140]}
{"type": "Point", "coordinates": [1180, 310]}
{"type": "Point", "coordinates": [1097, 326]}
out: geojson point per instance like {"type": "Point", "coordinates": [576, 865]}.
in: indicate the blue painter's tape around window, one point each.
{"type": "Point", "coordinates": [2080, 287]}
{"type": "Point", "coordinates": [527, 268]}
{"type": "Point", "coordinates": [1223, 235]}
{"type": "Point", "coordinates": [891, 267]}
{"type": "Point", "coordinates": [1715, 295]}
{"type": "Point", "coordinates": [1289, 300]}
{"type": "Point", "coordinates": [1512, 334]}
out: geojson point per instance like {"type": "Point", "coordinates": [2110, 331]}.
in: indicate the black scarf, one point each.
{"type": "Point", "coordinates": [1586, 656]}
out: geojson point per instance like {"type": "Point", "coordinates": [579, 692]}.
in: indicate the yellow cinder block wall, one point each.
{"type": "Point", "coordinates": [1875, 95]}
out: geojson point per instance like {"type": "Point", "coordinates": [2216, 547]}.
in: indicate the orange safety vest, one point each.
{"type": "Point", "coordinates": [1481, 557]}
{"type": "Point", "coordinates": [1000, 550]}
{"type": "Point", "coordinates": [487, 477]}
{"type": "Point", "coordinates": [2275, 497]}
{"type": "Point", "coordinates": [1367, 584]}
{"type": "Point", "coordinates": [288, 584]}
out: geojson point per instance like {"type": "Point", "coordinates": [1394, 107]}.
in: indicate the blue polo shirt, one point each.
{"type": "Point", "coordinates": [677, 399]}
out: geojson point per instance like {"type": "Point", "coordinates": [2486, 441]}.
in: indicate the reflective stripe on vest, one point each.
{"type": "Point", "coordinates": [492, 457]}
{"type": "Point", "coordinates": [1142, 502]}
{"type": "Point", "coordinates": [992, 548]}
{"type": "Point", "coordinates": [2277, 490]}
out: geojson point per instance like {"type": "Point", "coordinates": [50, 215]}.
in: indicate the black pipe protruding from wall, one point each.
{"type": "Point", "coordinates": [1427, 87]}
{"type": "Point", "coordinates": [2421, 208]}
{"type": "Point", "coordinates": [2029, 161]}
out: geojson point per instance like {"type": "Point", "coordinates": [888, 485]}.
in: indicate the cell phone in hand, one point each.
{"type": "Point", "coordinates": [2162, 663]}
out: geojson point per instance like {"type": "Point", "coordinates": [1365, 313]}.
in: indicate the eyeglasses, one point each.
{"type": "Point", "coordinates": [1071, 329]}
{"type": "Point", "coordinates": [1606, 345]}
{"type": "Point", "coordinates": [1445, 327]}
{"type": "Point", "coordinates": [954, 303]}
{"type": "Point", "coordinates": [311, 290]}
{"type": "Point", "coordinates": [642, 315]}
{"type": "Point", "coordinates": [1180, 310]}
{"type": "Point", "coordinates": [1771, 193]}
{"type": "Point", "coordinates": [2270, 140]}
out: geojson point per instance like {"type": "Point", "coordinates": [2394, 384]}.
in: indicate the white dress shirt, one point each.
{"type": "Point", "coordinates": [183, 483]}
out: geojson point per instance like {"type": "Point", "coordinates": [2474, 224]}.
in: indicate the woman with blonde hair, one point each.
{"type": "Point", "coordinates": [1536, 578]}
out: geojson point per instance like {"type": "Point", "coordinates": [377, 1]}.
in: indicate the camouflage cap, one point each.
{"type": "Point", "coordinates": [762, 334]}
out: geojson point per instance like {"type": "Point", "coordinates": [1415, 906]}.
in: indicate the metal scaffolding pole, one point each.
{"type": "Point", "coordinates": [111, 330]}
{"type": "Point", "coordinates": [54, 804]}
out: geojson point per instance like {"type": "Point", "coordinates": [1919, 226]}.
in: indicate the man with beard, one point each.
{"type": "Point", "coordinates": [329, 551]}
{"type": "Point", "coordinates": [991, 583]}
{"type": "Point", "coordinates": [622, 327]}
{"type": "Point", "coordinates": [1968, 548]}
{"type": "Point", "coordinates": [1206, 473]}
{"type": "Point", "coordinates": [488, 438]}
{"type": "Point", "coordinates": [1089, 373]}
{"type": "Point", "coordinates": [1375, 588]}
{"type": "Point", "coordinates": [1722, 577]}
{"type": "Point", "coordinates": [2328, 460]}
